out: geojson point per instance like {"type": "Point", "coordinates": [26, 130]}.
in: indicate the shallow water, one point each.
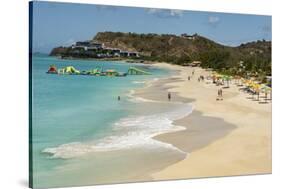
{"type": "Point", "coordinates": [83, 135]}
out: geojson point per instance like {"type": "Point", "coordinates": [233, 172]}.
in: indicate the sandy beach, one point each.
{"type": "Point", "coordinates": [222, 138]}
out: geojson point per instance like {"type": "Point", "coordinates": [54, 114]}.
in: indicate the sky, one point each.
{"type": "Point", "coordinates": [62, 24]}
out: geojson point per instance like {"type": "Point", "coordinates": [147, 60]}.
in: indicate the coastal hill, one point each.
{"type": "Point", "coordinates": [165, 47]}
{"type": "Point", "coordinates": [253, 57]}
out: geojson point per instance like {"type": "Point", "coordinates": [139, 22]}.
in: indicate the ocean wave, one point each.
{"type": "Point", "coordinates": [138, 99]}
{"type": "Point", "coordinates": [130, 132]}
{"type": "Point", "coordinates": [149, 83]}
{"type": "Point", "coordinates": [139, 82]}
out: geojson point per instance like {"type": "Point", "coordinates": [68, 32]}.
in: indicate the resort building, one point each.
{"type": "Point", "coordinates": [124, 53]}
{"type": "Point", "coordinates": [129, 54]}
{"type": "Point", "coordinates": [99, 50]}
{"type": "Point", "coordinates": [87, 45]}
{"type": "Point", "coordinates": [133, 54]}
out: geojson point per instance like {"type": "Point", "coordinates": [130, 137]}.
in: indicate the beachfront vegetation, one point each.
{"type": "Point", "coordinates": [250, 59]}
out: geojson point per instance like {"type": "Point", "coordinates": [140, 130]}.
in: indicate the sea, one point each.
{"type": "Point", "coordinates": [83, 135]}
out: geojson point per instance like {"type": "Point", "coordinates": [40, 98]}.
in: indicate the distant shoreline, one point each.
{"type": "Point", "coordinates": [108, 59]}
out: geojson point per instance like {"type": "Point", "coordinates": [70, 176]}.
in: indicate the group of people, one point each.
{"type": "Point", "coordinates": [200, 78]}
{"type": "Point", "coordinates": [189, 77]}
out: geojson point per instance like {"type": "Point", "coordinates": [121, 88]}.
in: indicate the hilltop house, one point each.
{"type": "Point", "coordinates": [190, 37]}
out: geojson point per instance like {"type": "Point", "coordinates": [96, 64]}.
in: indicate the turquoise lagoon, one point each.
{"type": "Point", "coordinates": [81, 133]}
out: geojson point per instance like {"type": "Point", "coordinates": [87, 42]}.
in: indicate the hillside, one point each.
{"type": "Point", "coordinates": [254, 57]}
{"type": "Point", "coordinates": [165, 47]}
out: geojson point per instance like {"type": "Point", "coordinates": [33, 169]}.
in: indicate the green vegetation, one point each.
{"type": "Point", "coordinates": [250, 59]}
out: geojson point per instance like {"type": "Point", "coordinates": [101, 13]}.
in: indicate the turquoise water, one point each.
{"type": "Point", "coordinates": [78, 119]}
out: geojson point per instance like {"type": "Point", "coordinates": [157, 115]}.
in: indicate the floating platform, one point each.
{"type": "Point", "coordinates": [70, 70]}
{"type": "Point", "coordinates": [137, 71]}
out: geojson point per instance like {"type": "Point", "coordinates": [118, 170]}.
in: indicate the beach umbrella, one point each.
{"type": "Point", "coordinates": [215, 77]}
{"type": "Point", "coordinates": [227, 78]}
{"type": "Point", "coordinates": [241, 81]}
{"type": "Point", "coordinates": [265, 89]}
{"type": "Point", "coordinates": [236, 78]}
{"type": "Point", "coordinates": [269, 90]}
{"type": "Point", "coordinates": [245, 81]}
{"type": "Point", "coordinates": [251, 85]}
{"type": "Point", "coordinates": [248, 83]}
{"type": "Point", "coordinates": [257, 87]}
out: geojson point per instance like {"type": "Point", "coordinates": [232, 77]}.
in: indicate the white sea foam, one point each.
{"type": "Point", "coordinates": [130, 132]}
{"type": "Point", "coordinates": [149, 83]}
{"type": "Point", "coordinates": [139, 82]}
{"type": "Point", "coordinates": [138, 99]}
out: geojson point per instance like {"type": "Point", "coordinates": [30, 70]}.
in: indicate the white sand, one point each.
{"type": "Point", "coordinates": [246, 149]}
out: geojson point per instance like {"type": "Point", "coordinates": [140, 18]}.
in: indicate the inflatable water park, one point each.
{"type": "Point", "coordinates": [98, 71]}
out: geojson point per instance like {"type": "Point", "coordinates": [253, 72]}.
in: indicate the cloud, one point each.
{"type": "Point", "coordinates": [165, 13]}
{"type": "Point", "coordinates": [213, 21]}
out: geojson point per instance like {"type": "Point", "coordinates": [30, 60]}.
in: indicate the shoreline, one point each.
{"type": "Point", "coordinates": [202, 128]}
{"type": "Point", "coordinates": [211, 134]}
{"type": "Point", "coordinates": [126, 60]}
{"type": "Point", "coordinates": [197, 140]}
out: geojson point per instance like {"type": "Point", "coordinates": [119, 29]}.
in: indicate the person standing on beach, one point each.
{"type": "Point", "coordinates": [169, 96]}
{"type": "Point", "coordinates": [188, 78]}
{"type": "Point", "coordinates": [219, 94]}
{"type": "Point", "coordinates": [119, 98]}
